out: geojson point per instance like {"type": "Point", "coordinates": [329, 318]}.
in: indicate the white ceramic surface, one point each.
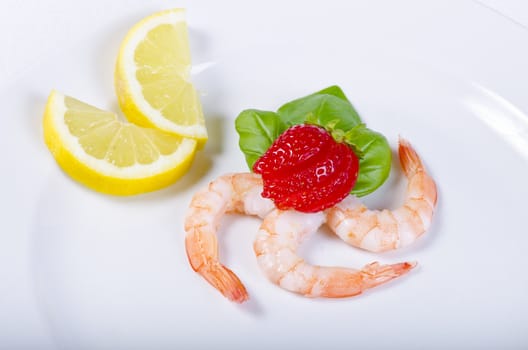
{"type": "Point", "coordinates": [80, 270]}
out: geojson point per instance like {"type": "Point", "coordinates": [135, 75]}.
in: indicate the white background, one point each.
{"type": "Point", "coordinates": [79, 270]}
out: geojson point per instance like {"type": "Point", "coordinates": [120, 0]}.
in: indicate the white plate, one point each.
{"type": "Point", "coordinates": [87, 271]}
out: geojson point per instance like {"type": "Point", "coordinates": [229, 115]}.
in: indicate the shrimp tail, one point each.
{"type": "Point", "coordinates": [344, 282]}
{"type": "Point", "coordinates": [375, 274]}
{"type": "Point", "coordinates": [225, 281]}
{"type": "Point", "coordinates": [409, 159]}
{"type": "Point", "coordinates": [202, 252]}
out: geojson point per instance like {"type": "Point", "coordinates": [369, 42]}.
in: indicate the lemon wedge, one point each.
{"type": "Point", "coordinates": [152, 77]}
{"type": "Point", "coordinates": [111, 156]}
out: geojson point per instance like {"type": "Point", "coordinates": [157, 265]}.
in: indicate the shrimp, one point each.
{"type": "Point", "coordinates": [384, 230]}
{"type": "Point", "coordinates": [275, 247]}
{"type": "Point", "coordinates": [232, 193]}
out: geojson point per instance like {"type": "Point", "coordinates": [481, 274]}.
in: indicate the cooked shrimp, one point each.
{"type": "Point", "coordinates": [382, 230]}
{"type": "Point", "coordinates": [276, 244]}
{"type": "Point", "coordinates": [233, 193]}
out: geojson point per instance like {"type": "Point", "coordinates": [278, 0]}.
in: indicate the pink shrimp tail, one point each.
{"type": "Point", "coordinates": [409, 159]}
{"type": "Point", "coordinates": [207, 265]}
{"type": "Point", "coordinates": [343, 282]}
{"type": "Point", "coordinates": [225, 281]}
{"type": "Point", "coordinates": [375, 274]}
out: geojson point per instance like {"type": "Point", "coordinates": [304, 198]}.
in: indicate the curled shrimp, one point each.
{"type": "Point", "coordinates": [232, 193]}
{"type": "Point", "coordinates": [382, 230]}
{"type": "Point", "coordinates": [275, 246]}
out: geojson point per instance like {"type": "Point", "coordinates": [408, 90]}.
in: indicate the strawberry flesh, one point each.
{"type": "Point", "coordinates": [307, 170]}
{"type": "Point", "coordinates": [293, 148]}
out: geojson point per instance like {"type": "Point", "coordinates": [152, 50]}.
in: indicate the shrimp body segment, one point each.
{"type": "Point", "coordinates": [383, 230]}
{"type": "Point", "coordinates": [276, 244]}
{"type": "Point", "coordinates": [232, 193]}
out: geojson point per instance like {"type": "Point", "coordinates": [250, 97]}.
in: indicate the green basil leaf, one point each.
{"type": "Point", "coordinates": [375, 163]}
{"type": "Point", "coordinates": [327, 106]}
{"type": "Point", "coordinates": [335, 91]}
{"type": "Point", "coordinates": [257, 130]}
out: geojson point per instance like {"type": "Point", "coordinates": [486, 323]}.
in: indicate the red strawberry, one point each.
{"type": "Point", "coordinates": [292, 148]}
{"type": "Point", "coordinates": [307, 170]}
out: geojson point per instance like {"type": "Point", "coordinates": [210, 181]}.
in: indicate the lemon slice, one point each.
{"type": "Point", "coordinates": [152, 76]}
{"type": "Point", "coordinates": [97, 149]}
